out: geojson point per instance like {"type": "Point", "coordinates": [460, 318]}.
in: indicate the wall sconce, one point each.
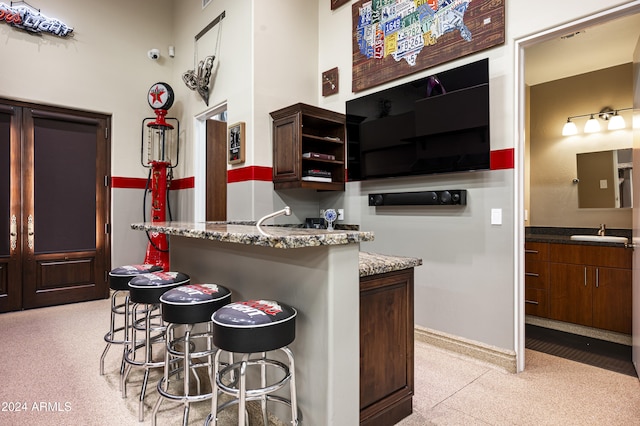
{"type": "Point", "coordinates": [614, 121]}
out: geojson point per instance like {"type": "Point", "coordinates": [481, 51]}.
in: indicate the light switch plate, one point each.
{"type": "Point", "coordinates": [496, 216]}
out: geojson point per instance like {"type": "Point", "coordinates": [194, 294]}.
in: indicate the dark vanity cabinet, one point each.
{"type": "Point", "coordinates": [588, 285]}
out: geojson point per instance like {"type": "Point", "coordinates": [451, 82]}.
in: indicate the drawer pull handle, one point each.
{"type": "Point", "coordinates": [531, 274]}
{"type": "Point", "coordinates": [532, 251]}
{"type": "Point", "coordinates": [531, 302]}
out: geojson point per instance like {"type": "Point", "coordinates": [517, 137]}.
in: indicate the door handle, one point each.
{"type": "Point", "coordinates": [30, 232]}
{"type": "Point", "coordinates": [13, 233]}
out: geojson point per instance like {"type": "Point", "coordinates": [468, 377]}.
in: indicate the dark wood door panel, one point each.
{"type": "Point", "coordinates": [10, 219]}
{"type": "Point", "coordinates": [216, 203]}
{"type": "Point", "coordinates": [58, 273]}
{"type": "Point", "coordinates": [56, 205]}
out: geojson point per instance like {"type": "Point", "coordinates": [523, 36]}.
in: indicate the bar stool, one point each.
{"type": "Point", "coordinates": [118, 282]}
{"type": "Point", "coordinates": [251, 327]}
{"type": "Point", "coordinates": [188, 305]}
{"type": "Point", "coordinates": [146, 289]}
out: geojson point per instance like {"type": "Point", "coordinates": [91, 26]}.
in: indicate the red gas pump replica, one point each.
{"type": "Point", "coordinates": [160, 143]}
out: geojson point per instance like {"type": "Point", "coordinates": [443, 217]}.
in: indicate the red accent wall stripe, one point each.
{"type": "Point", "coordinates": [502, 159]}
{"type": "Point", "coordinates": [128, 182]}
{"type": "Point", "coordinates": [141, 183]}
{"type": "Point", "coordinates": [184, 183]}
{"type": "Point", "coordinates": [250, 173]}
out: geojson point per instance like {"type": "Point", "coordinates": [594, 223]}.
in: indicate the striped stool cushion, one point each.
{"type": "Point", "coordinates": [193, 303]}
{"type": "Point", "coordinates": [147, 288]}
{"type": "Point", "coordinates": [119, 277]}
{"type": "Point", "coordinates": [254, 326]}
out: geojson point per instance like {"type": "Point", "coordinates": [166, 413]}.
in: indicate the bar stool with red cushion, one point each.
{"type": "Point", "coordinates": [119, 282]}
{"type": "Point", "coordinates": [254, 327]}
{"type": "Point", "coordinates": [146, 289]}
{"type": "Point", "coordinates": [182, 308]}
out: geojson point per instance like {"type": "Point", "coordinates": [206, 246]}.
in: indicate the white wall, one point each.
{"type": "Point", "coordinates": [466, 285]}
{"type": "Point", "coordinates": [271, 54]}
{"type": "Point", "coordinates": [104, 68]}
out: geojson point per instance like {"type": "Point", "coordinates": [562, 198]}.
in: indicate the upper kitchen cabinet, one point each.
{"type": "Point", "coordinates": [308, 148]}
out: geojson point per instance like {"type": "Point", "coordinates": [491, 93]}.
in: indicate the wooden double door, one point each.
{"type": "Point", "coordinates": [54, 205]}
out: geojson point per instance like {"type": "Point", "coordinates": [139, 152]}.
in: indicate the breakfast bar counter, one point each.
{"type": "Point", "coordinates": [314, 270]}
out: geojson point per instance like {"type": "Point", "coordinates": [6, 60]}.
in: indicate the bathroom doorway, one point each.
{"type": "Point", "coordinates": [549, 70]}
{"type": "Point", "coordinates": [210, 164]}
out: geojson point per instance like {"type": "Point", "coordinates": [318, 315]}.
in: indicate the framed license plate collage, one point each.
{"type": "Point", "coordinates": [394, 38]}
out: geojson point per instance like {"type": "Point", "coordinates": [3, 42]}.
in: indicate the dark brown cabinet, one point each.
{"type": "Point", "coordinates": [386, 347]}
{"type": "Point", "coordinates": [308, 148]}
{"type": "Point", "coordinates": [536, 279]}
{"type": "Point", "coordinates": [591, 286]}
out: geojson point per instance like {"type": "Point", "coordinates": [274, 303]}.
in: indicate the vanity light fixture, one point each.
{"type": "Point", "coordinates": [614, 121]}
{"type": "Point", "coordinates": [592, 125]}
{"type": "Point", "coordinates": [569, 128]}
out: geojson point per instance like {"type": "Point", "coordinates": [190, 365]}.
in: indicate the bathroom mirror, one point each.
{"type": "Point", "coordinates": [604, 179]}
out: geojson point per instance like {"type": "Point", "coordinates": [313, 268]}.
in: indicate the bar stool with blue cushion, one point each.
{"type": "Point", "coordinates": [187, 306]}
{"type": "Point", "coordinates": [146, 289]}
{"type": "Point", "coordinates": [254, 327]}
{"type": "Point", "coordinates": [119, 282]}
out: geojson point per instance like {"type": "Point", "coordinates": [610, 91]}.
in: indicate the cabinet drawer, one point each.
{"type": "Point", "coordinates": [536, 251]}
{"type": "Point", "coordinates": [536, 274]}
{"type": "Point", "coordinates": [612, 257]}
{"type": "Point", "coordinates": [535, 302]}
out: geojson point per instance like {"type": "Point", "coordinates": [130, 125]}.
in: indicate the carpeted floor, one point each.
{"type": "Point", "coordinates": [587, 350]}
{"type": "Point", "coordinates": [49, 375]}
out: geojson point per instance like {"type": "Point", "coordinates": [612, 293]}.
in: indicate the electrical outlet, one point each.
{"type": "Point", "coordinates": [340, 214]}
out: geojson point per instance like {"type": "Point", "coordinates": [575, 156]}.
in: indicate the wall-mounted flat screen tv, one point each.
{"type": "Point", "coordinates": [436, 124]}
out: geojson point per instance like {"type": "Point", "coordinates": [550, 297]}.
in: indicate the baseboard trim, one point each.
{"type": "Point", "coordinates": [595, 333]}
{"type": "Point", "coordinates": [498, 357]}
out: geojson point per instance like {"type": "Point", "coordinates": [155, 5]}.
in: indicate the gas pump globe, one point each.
{"type": "Point", "coordinates": [159, 153]}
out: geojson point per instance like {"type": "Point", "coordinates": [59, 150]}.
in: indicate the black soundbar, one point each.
{"type": "Point", "coordinates": [448, 197]}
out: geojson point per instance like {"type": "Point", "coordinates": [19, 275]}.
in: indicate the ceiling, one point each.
{"type": "Point", "coordinates": [588, 49]}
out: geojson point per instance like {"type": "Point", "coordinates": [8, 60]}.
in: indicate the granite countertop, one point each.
{"type": "Point", "coordinates": [374, 263]}
{"type": "Point", "coordinates": [245, 232]}
{"type": "Point", "coordinates": [543, 234]}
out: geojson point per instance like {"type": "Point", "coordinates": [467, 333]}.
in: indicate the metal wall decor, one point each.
{"type": "Point", "coordinates": [198, 79]}
{"type": "Point", "coordinates": [394, 38]}
{"type": "Point", "coordinates": [21, 15]}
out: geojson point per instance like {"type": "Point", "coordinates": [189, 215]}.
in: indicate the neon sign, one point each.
{"type": "Point", "coordinates": [29, 19]}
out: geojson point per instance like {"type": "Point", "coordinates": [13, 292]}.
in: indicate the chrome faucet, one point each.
{"type": "Point", "coordinates": [602, 230]}
{"type": "Point", "coordinates": [286, 211]}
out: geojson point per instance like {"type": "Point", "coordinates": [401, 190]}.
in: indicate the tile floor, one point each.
{"type": "Point", "coordinates": [452, 389]}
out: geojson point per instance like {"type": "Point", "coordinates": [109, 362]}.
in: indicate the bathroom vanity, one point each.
{"type": "Point", "coordinates": [581, 282]}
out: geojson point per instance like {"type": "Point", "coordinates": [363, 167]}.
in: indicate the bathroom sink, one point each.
{"type": "Point", "coordinates": [599, 238]}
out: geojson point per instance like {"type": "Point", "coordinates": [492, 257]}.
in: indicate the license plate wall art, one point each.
{"type": "Point", "coordinates": [394, 38]}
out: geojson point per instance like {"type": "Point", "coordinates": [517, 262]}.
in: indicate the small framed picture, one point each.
{"type": "Point", "coordinates": [235, 138]}
{"type": "Point", "coordinates": [337, 3]}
